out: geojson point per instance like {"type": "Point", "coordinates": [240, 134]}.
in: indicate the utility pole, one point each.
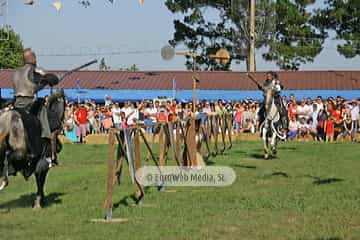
{"type": "Point", "coordinates": [251, 54]}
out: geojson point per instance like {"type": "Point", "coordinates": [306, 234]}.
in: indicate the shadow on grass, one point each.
{"type": "Point", "coordinates": [281, 174]}
{"type": "Point", "coordinates": [259, 156]}
{"type": "Point", "coordinates": [122, 202]}
{"type": "Point", "coordinates": [238, 151]}
{"type": "Point", "coordinates": [210, 163]}
{"type": "Point", "coordinates": [322, 181]}
{"type": "Point", "coordinates": [326, 238]}
{"type": "Point", "coordinates": [327, 181]}
{"type": "Point", "coordinates": [26, 201]}
{"type": "Point", "coordinates": [274, 174]}
{"type": "Point", "coordinates": [244, 166]}
{"type": "Point", "coordinates": [286, 148]}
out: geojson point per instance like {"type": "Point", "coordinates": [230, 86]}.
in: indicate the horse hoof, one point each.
{"type": "Point", "coordinates": [161, 188]}
{"type": "Point", "coordinates": [140, 201]}
{"type": "Point", "coordinates": [266, 156]}
{"type": "Point", "coordinates": [4, 184]}
{"type": "Point", "coordinates": [37, 203]}
{"type": "Point", "coordinates": [37, 207]}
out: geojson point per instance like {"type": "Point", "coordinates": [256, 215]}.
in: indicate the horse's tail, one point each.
{"type": "Point", "coordinates": [12, 129]}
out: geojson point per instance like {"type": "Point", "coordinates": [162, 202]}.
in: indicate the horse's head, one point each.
{"type": "Point", "coordinates": [268, 97]}
{"type": "Point", "coordinates": [56, 104]}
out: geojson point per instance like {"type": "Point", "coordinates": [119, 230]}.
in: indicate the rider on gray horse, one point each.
{"type": "Point", "coordinates": [277, 100]}
{"type": "Point", "coordinates": [272, 81]}
{"type": "Point", "coordinates": [27, 81]}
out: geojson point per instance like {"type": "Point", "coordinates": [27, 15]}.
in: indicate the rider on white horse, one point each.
{"type": "Point", "coordinates": [277, 86]}
{"type": "Point", "coordinates": [272, 82]}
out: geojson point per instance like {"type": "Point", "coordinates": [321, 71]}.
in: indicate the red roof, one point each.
{"type": "Point", "coordinates": [317, 80]}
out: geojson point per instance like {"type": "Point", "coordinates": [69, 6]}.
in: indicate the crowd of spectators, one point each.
{"type": "Point", "coordinates": [320, 119]}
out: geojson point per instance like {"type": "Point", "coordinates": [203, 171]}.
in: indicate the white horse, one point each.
{"type": "Point", "coordinates": [269, 128]}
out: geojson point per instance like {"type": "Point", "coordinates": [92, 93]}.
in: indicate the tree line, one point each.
{"type": "Point", "coordinates": [291, 32]}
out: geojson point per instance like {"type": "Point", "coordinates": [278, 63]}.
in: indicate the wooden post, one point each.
{"type": "Point", "coordinates": [223, 129]}
{"type": "Point", "coordinates": [173, 143]}
{"type": "Point", "coordinates": [252, 11]}
{"type": "Point", "coordinates": [178, 142]}
{"type": "Point", "coordinates": [216, 134]}
{"type": "Point", "coordinates": [162, 146]}
{"type": "Point", "coordinates": [229, 124]}
{"type": "Point", "coordinates": [137, 149]}
{"type": "Point", "coordinates": [191, 142]}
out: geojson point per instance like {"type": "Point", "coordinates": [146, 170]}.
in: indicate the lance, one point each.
{"type": "Point", "coordinates": [64, 75]}
{"type": "Point", "coordinates": [58, 79]}
{"type": "Point", "coordinates": [253, 80]}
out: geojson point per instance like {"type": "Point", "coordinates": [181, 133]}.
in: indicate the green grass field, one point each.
{"type": "Point", "coordinates": [311, 191]}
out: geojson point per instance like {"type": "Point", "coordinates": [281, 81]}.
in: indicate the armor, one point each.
{"type": "Point", "coordinates": [24, 81]}
{"type": "Point", "coordinates": [27, 81]}
{"type": "Point", "coordinates": [276, 86]}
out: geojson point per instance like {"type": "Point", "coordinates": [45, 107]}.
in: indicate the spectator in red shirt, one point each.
{"type": "Point", "coordinates": [81, 121]}
{"type": "Point", "coordinates": [329, 129]}
{"type": "Point", "coordinates": [162, 116]}
{"type": "Point", "coordinates": [292, 110]}
{"type": "Point", "coordinates": [238, 117]}
{"type": "Point", "coordinates": [172, 107]}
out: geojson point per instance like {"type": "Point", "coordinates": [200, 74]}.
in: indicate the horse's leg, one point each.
{"type": "Point", "coordinates": [266, 142]}
{"type": "Point", "coordinates": [273, 144]}
{"type": "Point", "coordinates": [40, 183]}
{"type": "Point", "coordinates": [5, 174]}
{"type": "Point", "coordinates": [53, 147]}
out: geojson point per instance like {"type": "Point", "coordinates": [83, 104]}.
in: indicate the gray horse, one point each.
{"type": "Point", "coordinates": [16, 141]}
{"type": "Point", "coordinates": [269, 128]}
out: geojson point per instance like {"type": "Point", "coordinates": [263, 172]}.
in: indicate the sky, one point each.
{"type": "Point", "coordinates": [118, 30]}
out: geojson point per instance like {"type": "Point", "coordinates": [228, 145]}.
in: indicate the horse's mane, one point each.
{"type": "Point", "coordinates": [55, 96]}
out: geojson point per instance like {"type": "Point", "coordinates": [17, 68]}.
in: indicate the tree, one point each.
{"type": "Point", "coordinates": [201, 35]}
{"type": "Point", "coordinates": [289, 34]}
{"type": "Point", "coordinates": [295, 40]}
{"type": "Point", "coordinates": [103, 66]}
{"type": "Point", "coordinates": [11, 49]}
{"type": "Point", "coordinates": [342, 16]}
{"type": "Point", "coordinates": [132, 68]}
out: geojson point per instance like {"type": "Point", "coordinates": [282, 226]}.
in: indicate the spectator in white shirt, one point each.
{"type": "Point", "coordinates": [319, 104]}
{"type": "Point", "coordinates": [126, 109]}
{"type": "Point", "coordinates": [354, 113]}
{"type": "Point", "coordinates": [303, 128]}
{"type": "Point", "coordinates": [312, 128]}
{"type": "Point", "coordinates": [303, 110]}
{"type": "Point", "coordinates": [115, 110]}
{"type": "Point", "coordinates": [133, 115]}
